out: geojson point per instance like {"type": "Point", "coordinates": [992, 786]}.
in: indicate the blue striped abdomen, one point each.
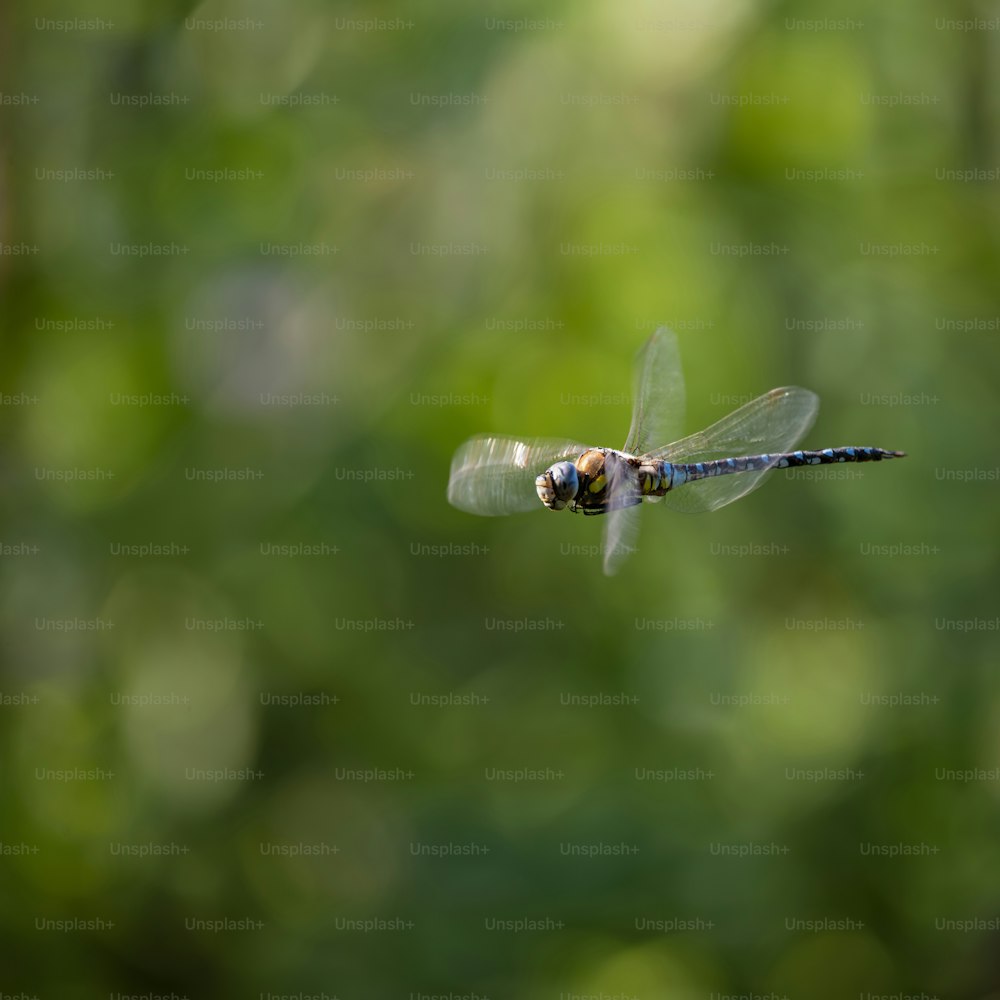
{"type": "Point", "coordinates": [670, 475]}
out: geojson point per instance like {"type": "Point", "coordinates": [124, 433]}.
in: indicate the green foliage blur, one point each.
{"type": "Point", "coordinates": [277, 720]}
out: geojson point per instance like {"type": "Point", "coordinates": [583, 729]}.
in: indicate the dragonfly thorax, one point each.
{"type": "Point", "coordinates": [590, 465]}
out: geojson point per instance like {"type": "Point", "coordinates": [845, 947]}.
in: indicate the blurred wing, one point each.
{"type": "Point", "coordinates": [658, 408]}
{"type": "Point", "coordinates": [621, 523]}
{"type": "Point", "coordinates": [496, 475]}
{"type": "Point", "coordinates": [620, 534]}
{"type": "Point", "coordinates": [771, 424]}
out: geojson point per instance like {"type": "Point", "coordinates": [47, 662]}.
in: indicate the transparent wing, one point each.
{"type": "Point", "coordinates": [620, 534]}
{"type": "Point", "coordinates": [621, 523]}
{"type": "Point", "coordinates": [496, 475]}
{"type": "Point", "coordinates": [658, 406]}
{"type": "Point", "coordinates": [771, 424]}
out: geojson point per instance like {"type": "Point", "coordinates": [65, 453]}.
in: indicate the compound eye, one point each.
{"type": "Point", "coordinates": [557, 485]}
{"type": "Point", "coordinates": [565, 480]}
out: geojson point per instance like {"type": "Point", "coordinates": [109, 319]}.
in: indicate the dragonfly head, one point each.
{"type": "Point", "coordinates": [557, 485]}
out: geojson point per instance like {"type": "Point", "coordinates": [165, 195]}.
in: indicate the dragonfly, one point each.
{"type": "Point", "coordinates": [495, 475]}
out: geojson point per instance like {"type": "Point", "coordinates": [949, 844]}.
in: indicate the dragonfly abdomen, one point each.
{"type": "Point", "coordinates": [670, 475]}
{"type": "Point", "coordinates": [830, 455]}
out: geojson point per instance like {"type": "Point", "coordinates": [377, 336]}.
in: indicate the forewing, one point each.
{"type": "Point", "coordinates": [771, 424]}
{"type": "Point", "coordinates": [658, 406]}
{"type": "Point", "coordinates": [493, 475]}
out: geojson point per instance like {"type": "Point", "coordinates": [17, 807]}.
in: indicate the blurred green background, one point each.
{"type": "Point", "coordinates": [277, 720]}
